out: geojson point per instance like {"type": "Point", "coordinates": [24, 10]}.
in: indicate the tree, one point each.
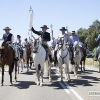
{"type": "Point", "coordinates": [89, 35]}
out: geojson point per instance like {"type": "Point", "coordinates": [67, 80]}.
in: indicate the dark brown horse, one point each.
{"type": "Point", "coordinates": [84, 47]}
{"type": "Point", "coordinates": [7, 58]}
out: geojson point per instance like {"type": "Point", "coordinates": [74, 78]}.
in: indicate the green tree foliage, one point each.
{"type": "Point", "coordinates": [89, 35]}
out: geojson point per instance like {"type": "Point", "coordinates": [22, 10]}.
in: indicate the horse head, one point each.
{"type": "Point", "coordinates": [60, 42]}
{"type": "Point", "coordinates": [76, 48]}
{"type": "Point", "coordinates": [36, 44]}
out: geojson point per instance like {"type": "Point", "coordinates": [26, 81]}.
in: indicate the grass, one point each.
{"type": "Point", "coordinates": [89, 62]}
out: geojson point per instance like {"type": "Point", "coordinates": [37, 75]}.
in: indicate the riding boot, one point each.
{"type": "Point", "coordinates": [50, 57]}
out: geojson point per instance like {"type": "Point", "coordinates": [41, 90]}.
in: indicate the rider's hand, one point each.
{"type": "Point", "coordinates": [95, 39]}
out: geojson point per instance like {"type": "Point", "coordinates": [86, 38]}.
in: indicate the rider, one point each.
{"type": "Point", "coordinates": [98, 40]}
{"type": "Point", "coordinates": [25, 42]}
{"type": "Point", "coordinates": [18, 40]}
{"type": "Point", "coordinates": [9, 39]}
{"type": "Point", "coordinates": [45, 38]}
{"type": "Point", "coordinates": [53, 43]}
{"type": "Point", "coordinates": [65, 35]}
{"type": "Point", "coordinates": [73, 38]}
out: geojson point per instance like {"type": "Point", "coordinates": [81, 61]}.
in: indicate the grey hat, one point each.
{"type": "Point", "coordinates": [7, 28]}
{"type": "Point", "coordinates": [44, 26]}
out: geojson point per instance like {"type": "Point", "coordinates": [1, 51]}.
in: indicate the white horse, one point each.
{"type": "Point", "coordinates": [39, 58]}
{"type": "Point", "coordinates": [77, 57]}
{"type": "Point", "coordinates": [63, 57]}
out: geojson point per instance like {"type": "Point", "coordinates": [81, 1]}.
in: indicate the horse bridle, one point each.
{"type": "Point", "coordinates": [61, 43]}
{"type": "Point", "coordinates": [37, 50]}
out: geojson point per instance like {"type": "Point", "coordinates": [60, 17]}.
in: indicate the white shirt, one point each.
{"type": "Point", "coordinates": [53, 43]}
{"type": "Point", "coordinates": [80, 44]}
{"type": "Point", "coordinates": [25, 43]}
{"type": "Point", "coordinates": [12, 38]}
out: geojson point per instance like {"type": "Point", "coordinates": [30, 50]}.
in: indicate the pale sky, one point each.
{"type": "Point", "coordinates": [72, 13]}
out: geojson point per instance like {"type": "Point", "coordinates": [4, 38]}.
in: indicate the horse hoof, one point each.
{"type": "Point", "coordinates": [21, 70]}
{"type": "Point", "coordinates": [38, 83]}
{"type": "Point", "coordinates": [50, 80]}
{"type": "Point", "coordinates": [1, 84]}
{"type": "Point", "coordinates": [15, 80]}
{"type": "Point", "coordinates": [76, 76]}
{"type": "Point", "coordinates": [41, 84]}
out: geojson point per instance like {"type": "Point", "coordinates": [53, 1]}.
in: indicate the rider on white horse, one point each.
{"type": "Point", "coordinates": [9, 39]}
{"type": "Point", "coordinates": [98, 40]}
{"type": "Point", "coordinates": [45, 38]}
{"type": "Point", "coordinates": [65, 35]}
{"type": "Point", "coordinates": [73, 38]}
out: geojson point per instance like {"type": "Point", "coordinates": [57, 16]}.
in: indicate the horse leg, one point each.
{"type": "Point", "coordinates": [42, 70]}
{"type": "Point", "coordinates": [16, 71]}
{"type": "Point", "coordinates": [67, 71]}
{"type": "Point", "coordinates": [76, 69]}
{"type": "Point", "coordinates": [99, 66]}
{"type": "Point", "coordinates": [84, 65]}
{"type": "Point", "coordinates": [38, 76]}
{"type": "Point", "coordinates": [61, 70]}
{"type": "Point", "coordinates": [2, 75]}
{"type": "Point", "coordinates": [49, 66]}
{"type": "Point", "coordinates": [81, 65]}
{"type": "Point", "coordinates": [10, 73]}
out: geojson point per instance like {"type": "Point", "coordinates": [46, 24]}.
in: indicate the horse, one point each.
{"type": "Point", "coordinates": [77, 57]}
{"type": "Point", "coordinates": [99, 58]}
{"type": "Point", "coordinates": [40, 60]}
{"type": "Point", "coordinates": [54, 55]}
{"type": "Point", "coordinates": [29, 55]}
{"type": "Point", "coordinates": [84, 47]}
{"type": "Point", "coordinates": [7, 58]}
{"type": "Point", "coordinates": [63, 57]}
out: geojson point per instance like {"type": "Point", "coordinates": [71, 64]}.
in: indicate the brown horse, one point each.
{"type": "Point", "coordinates": [29, 57]}
{"type": "Point", "coordinates": [7, 58]}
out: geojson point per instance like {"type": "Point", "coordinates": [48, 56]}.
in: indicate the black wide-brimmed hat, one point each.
{"type": "Point", "coordinates": [7, 28]}
{"type": "Point", "coordinates": [63, 28]}
{"type": "Point", "coordinates": [73, 32]}
{"type": "Point", "coordinates": [44, 26]}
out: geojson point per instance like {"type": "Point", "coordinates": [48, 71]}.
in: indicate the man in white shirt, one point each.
{"type": "Point", "coordinates": [9, 39]}
{"type": "Point", "coordinates": [18, 41]}
{"type": "Point", "coordinates": [25, 43]}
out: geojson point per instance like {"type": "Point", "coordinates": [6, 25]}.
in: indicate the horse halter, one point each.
{"type": "Point", "coordinates": [36, 46]}
{"type": "Point", "coordinates": [75, 50]}
{"type": "Point", "coordinates": [60, 43]}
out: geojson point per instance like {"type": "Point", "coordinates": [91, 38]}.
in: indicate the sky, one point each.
{"type": "Point", "coordinates": [60, 13]}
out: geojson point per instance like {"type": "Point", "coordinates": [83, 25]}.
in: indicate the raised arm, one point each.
{"type": "Point", "coordinates": [36, 32]}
